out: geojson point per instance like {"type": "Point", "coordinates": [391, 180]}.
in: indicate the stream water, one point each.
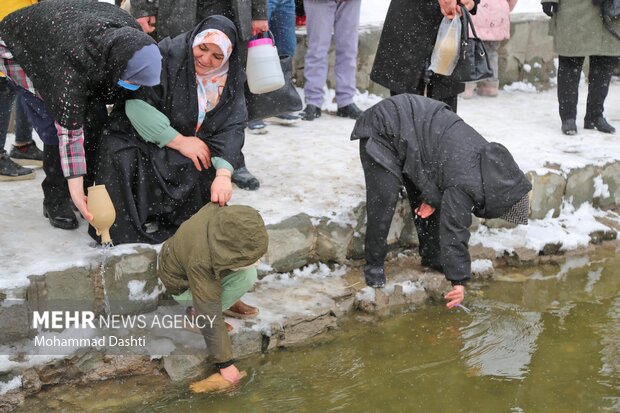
{"type": "Point", "coordinates": [542, 340]}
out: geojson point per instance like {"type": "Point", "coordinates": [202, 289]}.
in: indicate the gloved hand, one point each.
{"type": "Point", "coordinates": [375, 277]}
{"type": "Point", "coordinates": [550, 8]}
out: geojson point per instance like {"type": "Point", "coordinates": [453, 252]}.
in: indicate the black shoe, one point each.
{"type": "Point", "coordinates": [60, 215]}
{"type": "Point", "coordinates": [600, 124]}
{"type": "Point", "coordinates": [374, 275]}
{"type": "Point", "coordinates": [257, 127]}
{"type": "Point", "coordinates": [350, 111]}
{"type": "Point", "coordinates": [245, 180]}
{"type": "Point", "coordinates": [28, 154]}
{"type": "Point", "coordinates": [311, 112]}
{"type": "Point", "coordinates": [10, 171]}
{"type": "Point", "coordinates": [569, 127]}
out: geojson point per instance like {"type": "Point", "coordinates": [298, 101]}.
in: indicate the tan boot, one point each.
{"type": "Point", "coordinates": [241, 310]}
{"type": "Point", "coordinates": [489, 89]}
{"type": "Point", "coordinates": [469, 90]}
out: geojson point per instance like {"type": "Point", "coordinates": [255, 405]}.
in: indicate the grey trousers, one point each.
{"type": "Point", "coordinates": [323, 18]}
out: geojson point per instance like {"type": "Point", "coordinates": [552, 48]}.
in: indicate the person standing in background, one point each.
{"type": "Point", "coordinates": [24, 150]}
{"type": "Point", "coordinates": [322, 18]}
{"type": "Point", "coordinates": [406, 45]}
{"type": "Point", "coordinates": [578, 31]}
{"type": "Point", "coordinates": [173, 17]}
{"type": "Point", "coordinates": [492, 23]}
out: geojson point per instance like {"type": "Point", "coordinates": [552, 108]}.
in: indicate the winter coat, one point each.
{"type": "Point", "coordinates": [492, 19]}
{"type": "Point", "coordinates": [151, 183]}
{"type": "Point", "coordinates": [405, 49]}
{"type": "Point", "coordinates": [203, 251]}
{"type": "Point", "coordinates": [178, 16]}
{"type": "Point", "coordinates": [9, 6]}
{"type": "Point", "coordinates": [456, 170]}
{"type": "Point", "coordinates": [578, 30]}
{"type": "Point", "coordinates": [74, 51]}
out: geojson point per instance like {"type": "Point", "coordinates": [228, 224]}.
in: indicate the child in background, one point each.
{"type": "Point", "coordinates": [492, 23]}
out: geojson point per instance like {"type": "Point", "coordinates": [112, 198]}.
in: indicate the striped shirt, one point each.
{"type": "Point", "coordinates": [70, 141]}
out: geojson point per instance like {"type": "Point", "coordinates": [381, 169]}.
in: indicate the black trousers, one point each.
{"type": "Point", "coordinates": [422, 87]}
{"type": "Point", "coordinates": [569, 73]}
{"type": "Point", "coordinates": [382, 192]}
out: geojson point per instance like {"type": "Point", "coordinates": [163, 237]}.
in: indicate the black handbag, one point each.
{"type": "Point", "coordinates": [473, 63]}
{"type": "Point", "coordinates": [283, 100]}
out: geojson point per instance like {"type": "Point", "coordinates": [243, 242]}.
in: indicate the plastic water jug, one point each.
{"type": "Point", "coordinates": [263, 66]}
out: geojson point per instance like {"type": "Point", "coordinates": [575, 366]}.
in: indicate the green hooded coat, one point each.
{"type": "Point", "coordinates": [202, 252]}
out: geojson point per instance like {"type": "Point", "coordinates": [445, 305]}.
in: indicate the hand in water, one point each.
{"type": "Point", "coordinates": [232, 374]}
{"type": "Point", "coordinates": [455, 296]}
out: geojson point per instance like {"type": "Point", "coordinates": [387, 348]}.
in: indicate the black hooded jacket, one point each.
{"type": "Point", "coordinates": [148, 183]}
{"type": "Point", "coordinates": [74, 51]}
{"type": "Point", "coordinates": [456, 170]}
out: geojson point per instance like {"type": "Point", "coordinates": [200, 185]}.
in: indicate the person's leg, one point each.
{"type": "Point", "coordinates": [601, 70]}
{"type": "Point", "coordinates": [427, 229]}
{"type": "Point", "coordinates": [56, 199]}
{"type": "Point", "coordinates": [489, 87]}
{"type": "Point", "coordinates": [282, 25]}
{"type": "Point", "coordinates": [346, 38]}
{"type": "Point", "coordinates": [320, 24]}
{"type": "Point", "coordinates": [235, 285]}
{"type": "Point", "coordinates": [382, 189]}
{"type": "Point", "coordinates": [569, 73]}
{"type": "Point", "coordinates": [7, 97]}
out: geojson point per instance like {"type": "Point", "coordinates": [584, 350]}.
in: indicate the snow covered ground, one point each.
{"type": "Point", "coordinates": [314, 168]}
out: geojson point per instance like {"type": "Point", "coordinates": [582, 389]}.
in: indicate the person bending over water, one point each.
{"type": "Point", "coordinates": [449, 171]}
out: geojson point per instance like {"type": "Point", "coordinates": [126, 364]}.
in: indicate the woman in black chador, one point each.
{"type": "Point", "coordinates": [171, 151]}
{"type": "Point", "coordinates": [449, 172]}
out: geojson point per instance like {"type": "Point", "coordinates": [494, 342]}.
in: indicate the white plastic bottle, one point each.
{"type": "Point", "coordinates": [263, 66]}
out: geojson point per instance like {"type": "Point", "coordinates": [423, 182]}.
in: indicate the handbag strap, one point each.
{"type": "Point", "coordinates": [467, 24]}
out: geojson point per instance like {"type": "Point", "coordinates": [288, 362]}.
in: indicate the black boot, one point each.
{"type": "Point", "coordinates": [56, 199]}
{"type": "Point", "coordinates": [350, 111]}
{"type": "Point", "coordinates": [600, 124]}
{"type": "Point", "coordinates": [569, 127]}
{"type": "Point", "coordinates": [311, 112]}
{"type": "Point", "coordinates": [374, 275]}
{"type": "Point", "coordinates": [244, 179]}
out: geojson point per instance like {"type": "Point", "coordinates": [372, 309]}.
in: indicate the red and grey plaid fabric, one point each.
{"type": "Point", "coordinates": [71, 142]}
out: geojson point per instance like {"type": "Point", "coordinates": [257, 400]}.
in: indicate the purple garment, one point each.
{"type": "Point", "coordinates": [323, 18]}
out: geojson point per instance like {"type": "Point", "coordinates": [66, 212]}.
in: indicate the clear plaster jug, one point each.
{"type": "Point", "coordinates": [263, 65]}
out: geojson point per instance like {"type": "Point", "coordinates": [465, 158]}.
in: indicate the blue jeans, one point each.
{"type": "Point", "coordinates": [281, 15]}
{"type": "Point", "coordinates": [23, 130]}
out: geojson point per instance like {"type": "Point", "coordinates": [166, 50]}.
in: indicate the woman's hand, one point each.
{"type": "Point", "coordinates": [231, 373]}
{"type": "Point", "coordinates": [424, 210]}
{"type": "Point", "coordinates": [194, 149]}
{"type": "Point", "coordinates": [449, 8]}
{"type": "Point", "coordinates": [221, 188]}
{"type": "Point", "coordinates": [456, 296]}
{"type": "Point", "coordinates": [259, 26]}
{"type": "Point", "coordinates": [76, 189]}
{"type": "Point", "coordinates": [469, 4]}
{"type": "Point", "coordinates": [147, 23]}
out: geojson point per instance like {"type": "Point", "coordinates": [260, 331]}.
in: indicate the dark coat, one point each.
{"type": "Point", "coordinates": [405, 48]}
{"type": "Point", "coordinates": [202, 253]}
{"type": "Point", "coordinates": [456, 170]}
{"type": "Point", "coordinates": [148, 183]}
{"type": "Point", "coordinates": [178, 16]}
{"type": "Point", "coordinates": [74, 51]}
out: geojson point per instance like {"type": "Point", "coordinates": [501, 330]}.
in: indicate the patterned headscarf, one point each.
{"type": "Point", "coordinates": [210, 85]}
{"type": "Point", "coordinates": [518, 213]}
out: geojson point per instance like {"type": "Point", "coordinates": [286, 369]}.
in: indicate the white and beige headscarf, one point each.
{"type": "Point", "coordinates": [210, 85]}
